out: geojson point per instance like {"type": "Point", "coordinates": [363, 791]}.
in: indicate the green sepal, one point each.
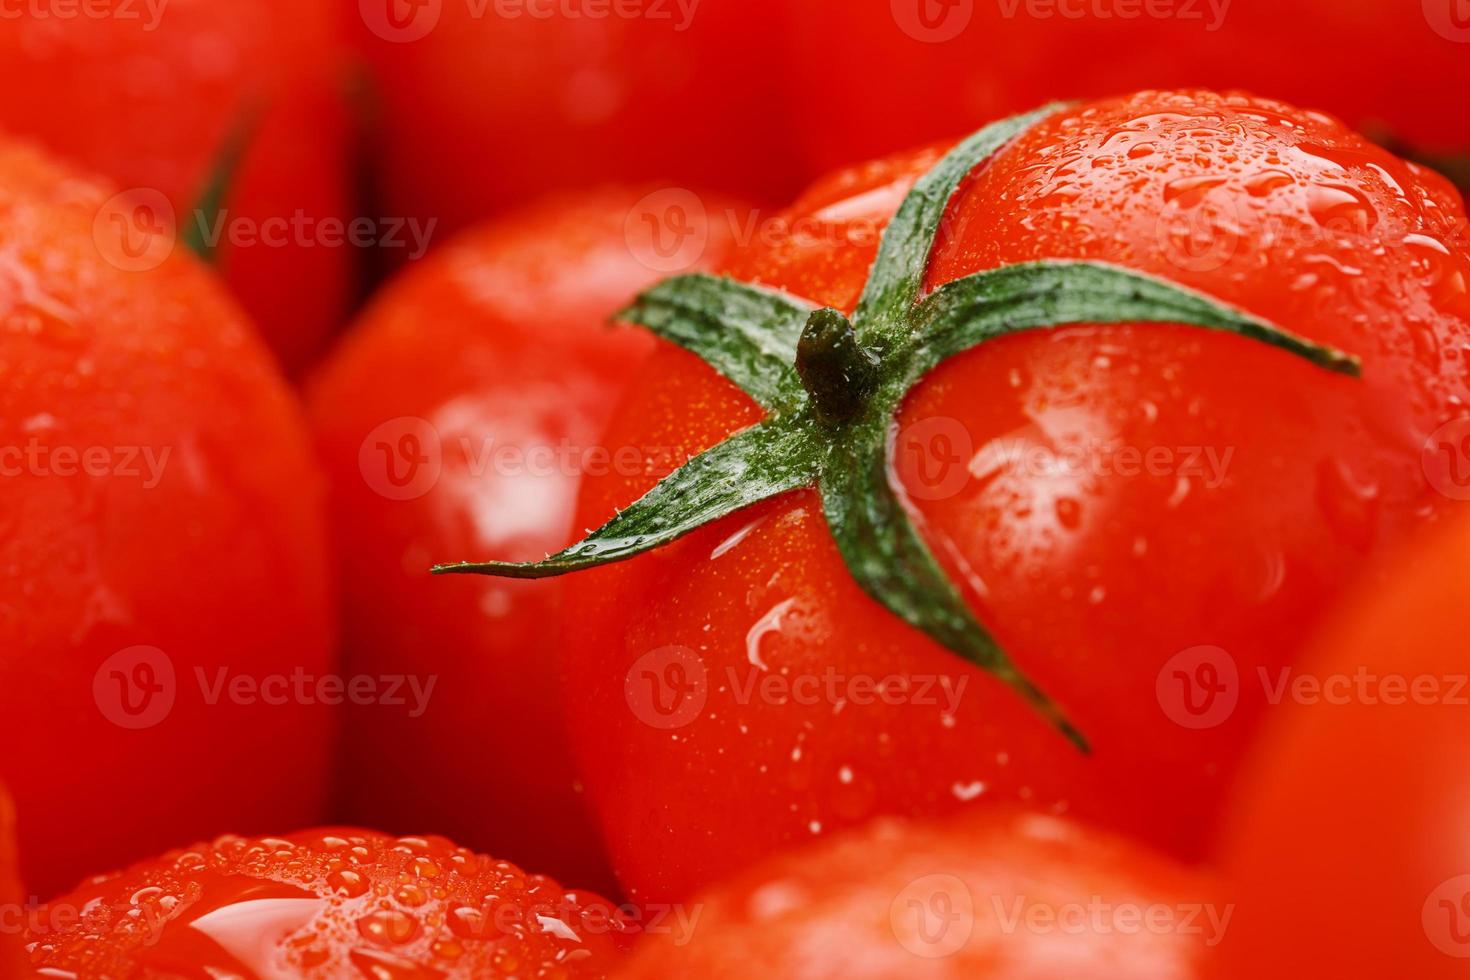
{"type": "Point", "coordinates": [216, 189]}
{"type": "Point", "coordinates": [903, 253]}
{"type": "Point", "coordinates": [761, 462]}
{"type": "Point", "coordinates": [891, 563]}
{"type": "Point", "coordinates": [747, 333]}
{"type": "Point", "coordinates": [1036, 295]}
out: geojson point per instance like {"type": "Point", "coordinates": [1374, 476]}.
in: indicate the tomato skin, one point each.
{"type": "Point", "coordinates": [205, 477]}
{"type": "Point", "coordinates": [499, 342]}
{"type": "Point", "coordinates": [1073, 565]}
{"type": "Point", "coordinates": [565, 97]}
{"type": "Point", "coordinates": [152, 105]}
{"type": "Point", "coordinates": [999, 893]}
{"type": "Point", "coordinates": [12, 896]}
{"type": "Point", "coordinates": [970, 63]}
{"type": "Point", "coordinates": [1347, 846]}
{"type": "Point", "coordinates": [334, 903]}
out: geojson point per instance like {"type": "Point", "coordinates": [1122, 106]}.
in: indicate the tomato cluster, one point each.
{"type": "Point", "coordinates": [1032, 554]}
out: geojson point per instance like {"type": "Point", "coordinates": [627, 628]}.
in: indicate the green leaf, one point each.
{"type": "Point", "coordinates": [761, 462]}
{"type": "Point", "coordinates": [210, 203]}
{"type": "Point", "coordinates": [1034, 295]}
{"type": "Point", "coordinates": [892, 564]}
{"type": "Point", "coordinates": [903, 255]}
{"type": "Point", "coordinates": [745, 332]}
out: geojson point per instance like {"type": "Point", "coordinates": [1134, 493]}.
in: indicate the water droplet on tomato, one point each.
{"type": "Point", "coordinates": [1349, 503]}
{"type": "Point", "coordinates": [389, 927]}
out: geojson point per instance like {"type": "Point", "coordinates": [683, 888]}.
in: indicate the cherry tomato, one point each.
{"type": "Point", "coordinates": [331, 903]}
{"type": "Point", "coordinates": [1001, 894]}
{"type": "Point", "coordinates": [566, 94]}
{"type": "Point", "coordinates": [1119, 505]}
{"type": "Point", "coordinates": [932, 68]}
{"type": "Point", "coordinates": [1348, 845]}
{"type": "Point", "coordinates": [457, 419]}
{"type": "Point", "coordinates": [153, 94]}
{"type": "Point", "coordinates": [163, 567]}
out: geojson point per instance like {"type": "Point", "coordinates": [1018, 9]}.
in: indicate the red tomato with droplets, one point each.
{"type": "Point", "coordinates": [1347, 844]}
{"type": "Point", "coordinates": [152, 94]}
{"type": "Point", "coordinates": [933, 68]}
{"type": "Point", "coordinates": [691, 92]}
{"type": "Point", "coordinates": [456, 420]}
{"type": "Point", "coordinates": [333, 903]}
{"type": "Point", "coordinates": [1007, 895]}
{"type": "Point", "coordinates": [1142, 515]}
{"type": "Point", "coordinates": [162, 546]}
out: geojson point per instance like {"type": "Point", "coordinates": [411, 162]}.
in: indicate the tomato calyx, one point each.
{"type": "Point", "coordinates": [836, 372]}
{"type": "Point", "coordinates": [832, 388]}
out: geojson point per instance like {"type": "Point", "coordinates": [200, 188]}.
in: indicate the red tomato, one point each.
{"type": "Point", "coordinates": [998, 894]}
{"type": "Point", "coordinates": [12, 896]}
{"type": "Point", "coordinates": [150, 93]}
{"type": "Point", "coordinates": [163, 554]}
{"type": "Point", "coordinates": [456, 420]}
{"type": "Point", "coordinates": [332, 903]}
{"type": "Point", "coordinates": [1118, 504]}
{"type": "Point", "coordinates": [1349, 841]}
{"type": "Point", "coordinates": [931, 68]}
{"type": "Point", "coordinates": [572, 92]}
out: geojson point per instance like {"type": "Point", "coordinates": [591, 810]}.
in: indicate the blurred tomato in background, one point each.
{"type": "Point", "coordinates": [481, 102]}
{"type": "Point", "coordinates": [162, 539]}
{"type": "Point", "coordinates": [159, 95]}
{"type": "Point", "coordinates": [1347, 844]}
{"type": "Point", "coordinates": [872, 76]}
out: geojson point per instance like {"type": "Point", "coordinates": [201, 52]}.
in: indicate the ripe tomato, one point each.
{"type": "Point", "coordinates": [152, 93]}
{"type": "Point", "coordinates": [999, 894]}
{"type": "Point", "coordinates": [162, 545]}
{"type": "Point", "coordinates": [457, 418]}
{"type": "Point", "coordinates": [335, 903]}
{"type": "Point", "coordinates": [1348, 843]}
{"type": "Point", "coordinates": [574, 92]}
{"type": "Point", "coordinates": [931, 68]}
{"type": "Point", "coordinates": [1115, 503]}
{"type": "Point", "coordinates": [12, 896]}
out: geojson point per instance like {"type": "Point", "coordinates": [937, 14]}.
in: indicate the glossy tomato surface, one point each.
{"type": "Point", "coordinates": [481, 105]}
{"type": "Point", "coordinates": [930, 69]}
{"type": "Point", "coordinates": [163, 568]}
{"type": "Point", "coordinates": [12, 895]}
{"type": "Point", "coordinates": [331, 904]}
{"type": "Point", "coordinates": [1131, 509]}
{"type": "Point", "coordinates": [456, 421]}
{"type": "Point", "coordinates": [1348, 844]}
{"type": "Point", "coordinates": [152, 94]}
{"type": "Point", "coordinates": [999, 894]}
